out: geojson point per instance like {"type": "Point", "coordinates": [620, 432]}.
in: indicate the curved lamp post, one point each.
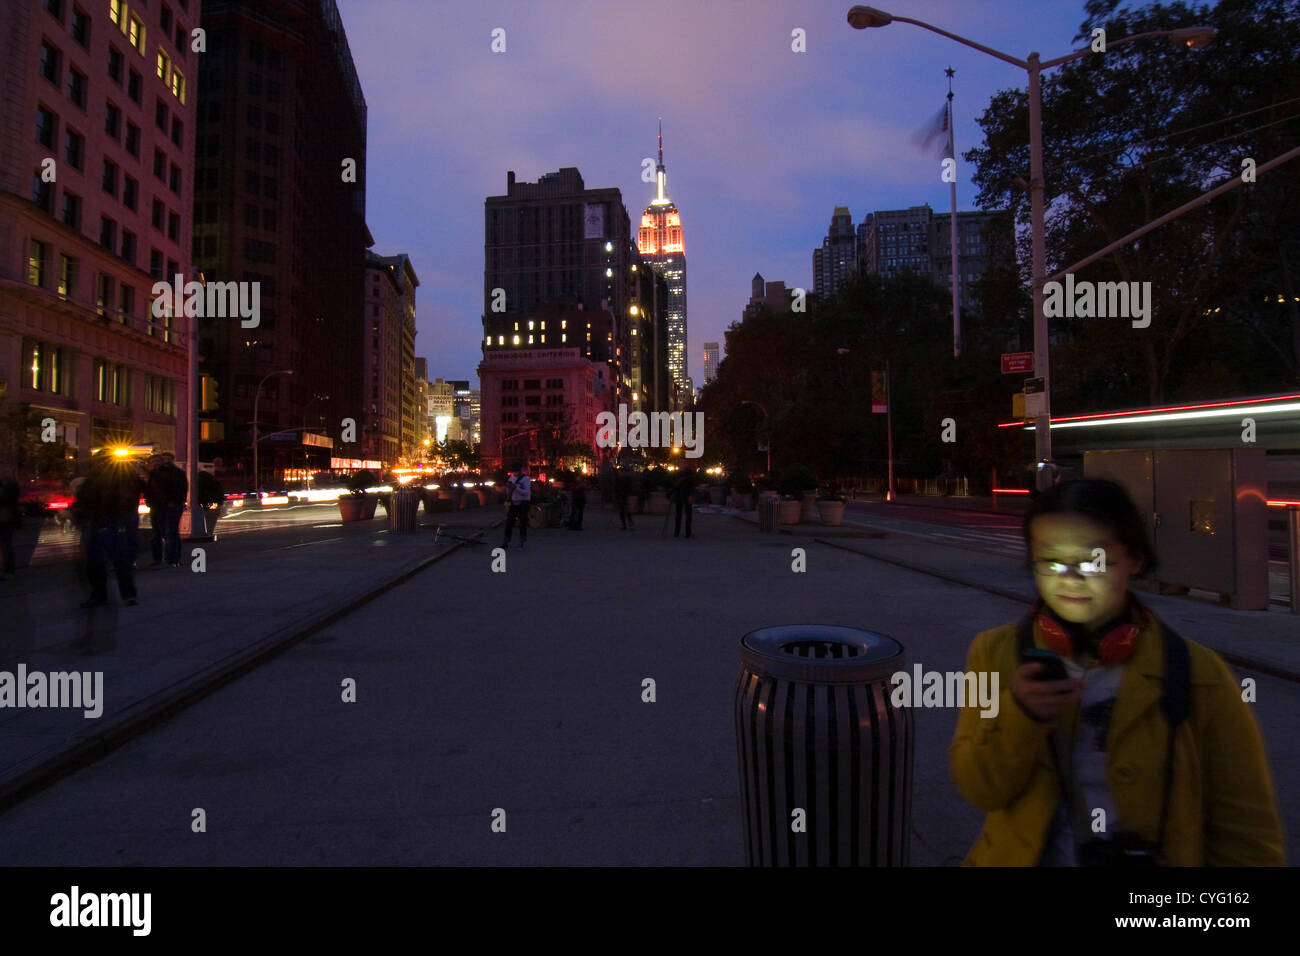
{"type": "Point", "coordinates": [1196, 37]}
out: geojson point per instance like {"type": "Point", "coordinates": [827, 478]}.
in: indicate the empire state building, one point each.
{"type": "Point", "coordinates": [660, 242]}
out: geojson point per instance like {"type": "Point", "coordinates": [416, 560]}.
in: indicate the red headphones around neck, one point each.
{"type": "Point", "coordinates": [1115, 647]}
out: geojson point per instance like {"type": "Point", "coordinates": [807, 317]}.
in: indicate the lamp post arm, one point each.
{"type": "Point", "coordinates": [1005, 57]}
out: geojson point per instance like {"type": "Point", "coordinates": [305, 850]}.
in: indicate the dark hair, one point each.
{"type": "Point", "coordinates": [1103, 501]}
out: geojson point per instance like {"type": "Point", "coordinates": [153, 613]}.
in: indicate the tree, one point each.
{"type": "Point", "coordinates": [1133, 133]}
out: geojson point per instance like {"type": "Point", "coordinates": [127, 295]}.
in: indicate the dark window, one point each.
{"type": "Point", "coordinates": [71, 209]}
{"type": "Point", "coordinates": [172, 267]}
{"type": "Point", "coordinates": [128, 246]}
{"type": "Point", "coordinates": [42, 193]}
{"type": "Point", "coordinates": [254, 117]}
{"type": "Point", "coordinates": [81, 27]}
{"type": "Point", "coordinates": [113, 121]}
{"type": "Point", "coordinates": [251, 181]}
{"type": "Point", "coordinates": [272, 90]}
{"type": "Point", "coordinates": [74, 149]}
{"type": "Point", "coordinates": [165, 18]}
{"type": "Point", "coordinates": [77, 87]}
{"type": "Point", "coordinates": [115, 64]}
{"type": "Point", "coordinates": [160, 115]}
{"type": "Point", "coordinates": [270, 155]}
{"type": "Point", "coordinates": [174, 180]}
{"type": "Point", "coordinates": [107, 233]}
{"type": "Point", "coordinates": [134, 84]}
{"type": "Point", "coordinates": [254, 84]}
{"type": "Point", "coordinates": [126, 297]}
{"type": "Point", "coordinates": [253, 150]}
{"type": "Point", "coordinates": [133, 139]}
{"type": "Point", "coordinates": [268, 219]}
{"type": "Point", "coordinates": [272, 122]}
{"type": "Point", "coordinates": [159, 210]}
{"type": "Point", "coordinates": [155, 264]}
{"type": "Point", "coordinates": [51, 68]}
{"type": "Point", "coordinates": [130, 192]}
{"type": "Point", "coordinates": [250, 214]}
{"type": "Point", "coordinates": [47, 128]}
{"type": "Point", "coordinates": [269, 188]}
{"type": "Point", "coordinates": [55, 9]}
{"type": "Point", "coordinates": [160, 165]}
{"type": "Point", "coordinates": [110, 177]}
{"type": "Point", "coordinates": [178, 132]}
{"type": "Point", "coordinates": [173, 227]}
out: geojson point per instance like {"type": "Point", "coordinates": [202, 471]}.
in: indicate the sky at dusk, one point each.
{"type": "Point", "coordinates": [760, 143]}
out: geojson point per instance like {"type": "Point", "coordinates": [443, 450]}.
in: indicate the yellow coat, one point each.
{"type": "Point", "coordinates": [1222, 808]}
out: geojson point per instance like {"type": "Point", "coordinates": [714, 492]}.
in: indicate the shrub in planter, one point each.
{"type": "Point", "coordinates": [796, 480]}
{"type": "Point", "coordinates": [790, 510]}
{"type": "Point", "coordinates": [357, 505]}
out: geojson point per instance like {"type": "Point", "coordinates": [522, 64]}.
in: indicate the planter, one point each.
{"type": "Point", "coordinates": [832, 513]}
{"type": "Point", "coordinates": [790, 512]}
{"type": "Point", "coordinates": [658, 503]}
{"type": "Point", "coordinates": [634, 504]}
{"type": "Point", "coordinates": [743, 500]}
{"type": "Point", "coordinates": [357, 507]}
{"type": "Point", "coordinates": [717, 494]}
{"type": "Point", "coordinates": [808, 510]}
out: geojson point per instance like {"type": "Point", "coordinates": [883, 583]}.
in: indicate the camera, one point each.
{"type": "Point", "coordinates": [1125, 848]}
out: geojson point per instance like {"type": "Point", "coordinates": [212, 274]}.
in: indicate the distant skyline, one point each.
{"type": "Point", "coordinates": [761, 143]}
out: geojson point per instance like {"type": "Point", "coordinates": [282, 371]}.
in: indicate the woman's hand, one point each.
{"type": "Point", "coordinates": [1043, 700]}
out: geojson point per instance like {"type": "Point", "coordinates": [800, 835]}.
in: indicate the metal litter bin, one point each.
{"type": "Point", "coordinates": [816, 733]}
{"type": "Point", "coordinates": [769, 515]}
{"type": "Point", "coordinates": [402, 507]}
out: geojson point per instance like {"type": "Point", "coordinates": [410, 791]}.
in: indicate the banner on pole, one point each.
{"type": "Point", "coordinates": [879, 394]}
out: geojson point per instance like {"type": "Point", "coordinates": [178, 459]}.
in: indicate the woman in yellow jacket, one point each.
{"type": "Point", "coordinates": [1084, 770]}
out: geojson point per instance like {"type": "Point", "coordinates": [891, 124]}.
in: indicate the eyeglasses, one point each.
{"type": "Point", "coordinates": [1051, 568]}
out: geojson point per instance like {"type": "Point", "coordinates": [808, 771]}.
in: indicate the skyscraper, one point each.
{"type": "Point", "coordinates": [278, 92]}
{"type": "Point", "coordinates": [836, 260]}
{"type": "Point", "coordinates": [660, 241]}
{"type": "Point", "coordinates": [710, 361]}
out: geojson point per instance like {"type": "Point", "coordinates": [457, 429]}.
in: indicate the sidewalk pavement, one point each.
{"type": "Point", "coordinates": [1267, 641]}
{"type": "Point", "coordinates": [191, 632]}
{"type": "Point", "coordinates": [526, 691]}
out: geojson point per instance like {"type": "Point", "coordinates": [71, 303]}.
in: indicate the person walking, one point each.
{"type": "Point", "coordinates": [579, 503]}
{"type": "Point", "coordinates": [622, 489]}
{"type": "Point", "coordinates": [107, 509]}
{"type": "Point", "coordinates": [10, 519]}
{"type": "Point", "coordinates": [1116, 742]}
{"type": "Point", "coordinates": [521, 498]}
{"type": "Point", "coordinates": [155, 498]}
{"type": "Point", "coordinates": [683, 500]}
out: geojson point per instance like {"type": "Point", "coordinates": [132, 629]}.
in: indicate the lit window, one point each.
{"type": "Point", "coordinates": [115, 11]}
{"type": "Point", "coordinates": [530, 340]}
{"type": "Point", "coordinates": [501, 340]}
{"type": "Point", "coordinates": [178, 85]}
{"type": "Point", "coordinates": [164, 64]}
{"type": "Point", "coordinates": [516, 340]}
{"type": "Point", "coordinates": [530, 324]}
{"type": "Point", "coordinates": [136, 35]}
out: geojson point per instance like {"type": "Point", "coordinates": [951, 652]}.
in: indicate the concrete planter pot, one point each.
{"type": "Point", "coordinates": [717, 494]}
{"type": "Point", "coordinates": [658, 503]}
{"type": "Point", "coordinates": [832, 513]}
{"type": "Point", "coordinates": [808, 510]}
{"type": "Point", "coordinates": [357, 507]}
{"type": "Point", "coordinates": [634, 504]}
{"type": "Point", "coordinates": [790, 511]}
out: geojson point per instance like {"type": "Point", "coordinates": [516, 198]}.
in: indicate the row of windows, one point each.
{"type": "Point", "coordinates": [517, 340]}
{"type": "Point", "coordinates": [69, 213]}
{"type": "Point", "coordinates": [112, 300]}
{"type": "Point", "coordinates": [47, 368]}
{"type": "Point", "coordinates": [134, 30]}
{"type": "Point", "coordinates": [530, 384]}
{"type": "Point", "coordinates": [74, 148]}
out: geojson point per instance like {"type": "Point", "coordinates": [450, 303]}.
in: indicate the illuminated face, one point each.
{"type": "Point", "coordinates": [1090, 599]}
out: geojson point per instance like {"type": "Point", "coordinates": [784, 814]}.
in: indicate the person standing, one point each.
{"type": "Point", "coordinates": [155, 497]}
{"type": "Point", "coordinates": [579, 504]}
{"type": "Point", "coordinates": [107, 508]}
{"type": "Point", "coordinates": [521, 498]}
{"type": "Point", "coordinates": [683, 498]}
{"type": "Point", "coordinates": [10, 519]}
{"type": "Point", "coordinates": [622, 489]}
{"type": "Point", "coordinates": [177, 487]}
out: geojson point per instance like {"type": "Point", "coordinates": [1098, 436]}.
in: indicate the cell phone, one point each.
{"type": "Point", "coordinates": [1050, 659]}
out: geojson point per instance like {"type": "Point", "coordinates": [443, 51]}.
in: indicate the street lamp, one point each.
{"type": "Point", "coordinates": [257, 397]}
{"type": "Point", "coordinates": [1195, 37]}
{"type": "Point", "coordinates": [767, 421]}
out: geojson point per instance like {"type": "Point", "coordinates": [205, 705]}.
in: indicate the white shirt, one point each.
{"type": "Point", "coordinates": [522, 490]}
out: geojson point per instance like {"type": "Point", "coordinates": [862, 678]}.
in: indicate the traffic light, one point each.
{"type": "Point", "coordinates": [209, 397]}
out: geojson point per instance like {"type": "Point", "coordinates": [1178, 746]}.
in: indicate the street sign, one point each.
{"type": "Point", "coordinates": [1035, 398]}
{"type": "Point", "coordinates": [1014, 362]}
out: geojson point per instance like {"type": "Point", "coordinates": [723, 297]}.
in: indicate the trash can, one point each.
{"type": "Point", "coordinates": [769, 515]}
{"type": "Point", "coordinates": [401, 510]}
{"type": "Point", "coordinates": [816, 733]}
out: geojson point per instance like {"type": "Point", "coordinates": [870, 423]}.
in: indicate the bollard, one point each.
{"type": "Point", "coordinates": [825, 759]}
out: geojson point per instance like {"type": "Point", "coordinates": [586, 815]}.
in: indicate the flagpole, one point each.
{"type": "Point", "coordinates": [952, 195]}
